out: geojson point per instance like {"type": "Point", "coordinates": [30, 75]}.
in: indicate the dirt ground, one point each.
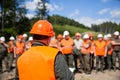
{"type": "Point", "coordinates": [108, 75]}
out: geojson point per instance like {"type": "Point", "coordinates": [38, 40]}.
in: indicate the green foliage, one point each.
{"type": "Point", "coordinates": [59, 29]}
{"type": "Point", "coordinates": [106, 27]}
{"type": "Point", "coordinates": [57, 19]}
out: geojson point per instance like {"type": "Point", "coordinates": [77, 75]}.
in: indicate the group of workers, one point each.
{"type": "Point", "coordinates": [86, 53]}
{"type": "Point", "coordinates": [45, 57]}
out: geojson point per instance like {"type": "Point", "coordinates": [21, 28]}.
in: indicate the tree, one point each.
{"type": "Point", "coordinates": [42, 11]}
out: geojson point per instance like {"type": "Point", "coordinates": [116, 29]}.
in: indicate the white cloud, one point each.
{"type": "Point", "coordinates": [30, 15]}
{"type": "Point", "coordinates": [75, 14]}
{"type": "Point", "coordinates": [115, 14]}
{"type": "Point", "coordinates": [53, 7]}
{"type": "Point", "coordinates": [87, 21]}
{"type": "Point", "coordinates": [31, 5]}
{"type": "Point", "coordinates": [105, 1]}
{"type": "Point", "coordinates": [103, 11]}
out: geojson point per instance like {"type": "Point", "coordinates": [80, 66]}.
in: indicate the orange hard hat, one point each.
{"type": "Point", "coordinates": [20, 36]}
{"type": "Point", "coordinates": [59, 36]}
{"type": "Point", "coordinates": [91, 34]}
{"type": "Point", "coordinates": [42, 27]}
{"type": "Point", "coordinates": [77, 34]}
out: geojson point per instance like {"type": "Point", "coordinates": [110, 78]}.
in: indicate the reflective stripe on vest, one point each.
{"type": "Point", "coordinates": [37, 63]}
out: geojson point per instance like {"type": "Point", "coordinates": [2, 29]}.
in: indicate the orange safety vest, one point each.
{"type": "Point", "coordinates": [20, 47]}
{"type": "Point", "coordinates": [85, 50]}
{"type": "Point", "coordinates": [111, 49]}
{"type": "Point", "coordinates": [67, 46]}
{"type": "Point", "coordinates": [37, 63]}
{"type": "Point", "coordinates": [100, 48]}
{"type": "Point", "coordinates": [11, 46]}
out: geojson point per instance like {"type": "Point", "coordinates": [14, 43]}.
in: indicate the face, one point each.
{"type": "Point", "coordinates": [77, 37]}
{"type": "Point", "coordinates": [67, 37]}
{"type": "Point", "coordinates": [91, 38]}
{"type": "Point", "coordinates": [115, 36]}
{"type": "Point", "coordinates": [100, 39]}
{"type": "Point", "coordinates": [108, 38]}
{"type": "Point", "coordinates": [19, 39]}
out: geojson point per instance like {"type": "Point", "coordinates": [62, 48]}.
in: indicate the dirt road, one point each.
{"type": "Point", "coordinates": [108, 75]}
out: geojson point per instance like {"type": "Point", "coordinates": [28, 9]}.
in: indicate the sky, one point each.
{"type": "Point", "coordinates": [86, 12]}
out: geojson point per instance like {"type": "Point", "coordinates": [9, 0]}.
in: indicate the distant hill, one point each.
{"type": "Point", "coordinates": [61, 24]}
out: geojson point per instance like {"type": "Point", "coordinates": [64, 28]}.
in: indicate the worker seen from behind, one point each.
{"type": "Point", "coordinates": [116, 50]}
{"type": "Point", "coordinates": [100, 52]}
{"type": "Point", "coordinates": [67, 49]}
{"type": "Point", "coordinates": [42, 62]}
{"type": "Point", "coordinates": [85, 50]}
{"type": "Point", "coordinates": [76, 51]}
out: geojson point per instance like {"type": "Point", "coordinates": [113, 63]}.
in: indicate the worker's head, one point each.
{"type": "Point", "coordinates": [20, 38]}
{"type": "Point", "coordinates": [116, 34]}
{"type": "Point", "coordinates": [25, 36]}
{"type": "Point", "coordinates": [109, 36]}
{"type": "Point", "coordinates": [100, 37]}
{"type": "Point", "coordinates": [12, 38]}
{"type": "Point", "coordinates": [91, 36]}
{"type": "Point", "coordinates": [105, 37]}
{"type": "Point", "coordinates": [77, 35]}
{"type": "Point", "coordinates": [86, 37]}
{"type": "Point", "coordinates": [42, 31]}
{"type": "Point", "coordinates": [66, 35]}
{"type": "Point", "coordinates": [2, 39]}
{"type": "Point", "coordinates": [30, 38]}
{"type": "Point", "coordinates": [59, 37]}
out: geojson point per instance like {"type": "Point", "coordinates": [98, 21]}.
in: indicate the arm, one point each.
{"type": "Point", "coordinates": [62, 71]}
{"type": "Point", "coordinates": [114, 43]}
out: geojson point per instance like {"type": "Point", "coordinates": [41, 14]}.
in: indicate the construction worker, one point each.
{"type": "Point", "coordinates": [109, 51]}
{"type": "Point", "coordinates": [56, 43]}
{"type": "Point", "coordinates": [116, 49]}
{"type": "Point", "coordinates": [53, 42]}
{"type": "Point", "coordinates": [59, 39]}
{"type": "Point", "coordinates": [19, 49]}
{"type": "Point", "coordinates": [42, 62]}
{"type": "Point", "coordinates": [67, 49]}
{"type": "Point", "coordinates": [76, 51]}
{"type": "Point", "coordinates": [85, 50]}
{"type": "Point", "coordinates": [105, 58]}
{"type": "Point", "coordinates": [25, 37]}
{"type": "Point", "coordinates": [3, 52]}
{"type": "Point", "coordinates": [91, 38]}
{"type": "Point", "coordinates": [11, 45]}
{"type": "Point", "coordinates": [29, 43]}
{"type": "Point", "coordinates": [100, 52]}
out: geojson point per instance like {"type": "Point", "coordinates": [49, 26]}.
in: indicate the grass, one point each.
{"type": "Point", "coordinates": [59, 29]}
